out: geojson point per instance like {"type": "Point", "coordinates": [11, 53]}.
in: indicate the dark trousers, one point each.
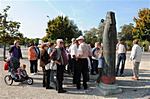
{"type": "Point", "coordinates": [121, 58]}
{"type": "Point", "coordinates": [82, 68]}
{"type": "Point", "coordinates": [44, 77]}
{"type": "Point", "coordinates": [94, 66]}
{"type": "Point", "coordinates": [59, 76]}
{"type": "Point", "coordinates": [69, 67]}
{"type": "Point", "coordinates": [100, 74]}
{"type": "Point", "coordinates": [73, 63]}
{"type": "Point", "coordinates": [33, 66]}
{"type": "Point", "coordinates": [74, 68]}
{"type": "Point", "coordinates": [47, 82]}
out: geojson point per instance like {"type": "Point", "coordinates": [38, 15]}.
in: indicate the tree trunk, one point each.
{"type": "Point", "coordinates": [4, 51]}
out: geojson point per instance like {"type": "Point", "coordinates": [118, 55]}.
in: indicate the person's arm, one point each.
{"type": "Point", "coordinates": [53, 56]}
{"type": "Point", "coordinates": [133, 53]}
{"type": "Point", "coordinates": [20, 53]}
{"type": "Point", "coordinates": [11, 49]}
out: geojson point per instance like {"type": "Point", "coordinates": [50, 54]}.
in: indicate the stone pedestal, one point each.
{"type": "Point", "coordinates": [107, 89]}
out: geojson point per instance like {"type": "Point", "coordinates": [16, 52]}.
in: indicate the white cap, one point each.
{"type": "Point", "coordinates": [59, 40]}
{"type": "Point", "coordinates": [80, 38]}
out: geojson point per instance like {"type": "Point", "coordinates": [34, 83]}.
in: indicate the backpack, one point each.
{"type": "Point", "coordinates": [37, 50]}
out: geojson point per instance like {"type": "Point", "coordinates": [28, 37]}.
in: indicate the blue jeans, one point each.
{"type": "Point", "coordinates": [121, 58]}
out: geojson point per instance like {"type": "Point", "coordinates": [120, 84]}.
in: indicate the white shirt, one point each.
{"type": "Point", "coordinates": [136, 53]}
{"type": "Point", "coordinates": [73, 50]}
{"type": "Point", "coordinates": [121, 48]}
{"type": "Point", "coordinates": [83, 51]}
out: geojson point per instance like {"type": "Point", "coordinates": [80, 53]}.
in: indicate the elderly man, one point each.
{"type": "Point", "coordinates": [73, 53]}
{"type": "Point", "coordinates": [136, 55]}
{"type": "Point", "coordinates": [59, 56]}
{"type": "Point", "coordinates": [82, 63]}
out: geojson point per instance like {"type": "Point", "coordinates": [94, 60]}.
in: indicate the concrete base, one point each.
{"type": "Point", "coordinates": [106, 89]}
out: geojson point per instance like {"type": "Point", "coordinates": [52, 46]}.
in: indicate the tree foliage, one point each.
{"type": "Point", "coordinates": [91, 35]}
{"type": "Point", "coordinates": [142, 28]}
{"type": "Point", "coordinates": [126, 32]}
{"type": "Point", "coordinates": [95, 34]}
{"type": "Point", "coordinates": [61, 27]}
{"type": "Point", "coordinates": [9, 30]}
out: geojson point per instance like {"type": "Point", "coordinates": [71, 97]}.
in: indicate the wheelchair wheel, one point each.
{"type": "Point", "coordinates": [30, 81]}
{"type": "Point", "coordinates": [8, 80]}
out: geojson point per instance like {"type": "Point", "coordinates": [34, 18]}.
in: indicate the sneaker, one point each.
{"type": "Point", "coordinates": [32, 74]}
{"type": "Point", "coordinates": [35, 73]}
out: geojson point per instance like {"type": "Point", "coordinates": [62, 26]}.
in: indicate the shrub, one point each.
{"type": "Point", "coordinates": [145, 44]}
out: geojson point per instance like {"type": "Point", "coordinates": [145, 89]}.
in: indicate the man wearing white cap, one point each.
{"type": "Point", "coordinates": [82, 63]}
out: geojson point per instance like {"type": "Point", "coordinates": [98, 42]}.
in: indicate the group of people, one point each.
{"type": "Point", "coordinates": [135, 57]}
{"type": "Point", "coordinates": [80, 58]}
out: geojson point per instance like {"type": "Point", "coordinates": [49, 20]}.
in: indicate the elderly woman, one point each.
{"type": "Point", "coordinates": [59, 56]}
{"type": "Point", "coordinates": [44, 63]}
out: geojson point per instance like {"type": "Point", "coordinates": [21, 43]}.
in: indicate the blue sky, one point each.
{"type": "Point", "coordinates": [86, 13]}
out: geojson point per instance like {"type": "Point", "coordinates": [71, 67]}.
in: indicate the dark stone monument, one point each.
{"type": "Point", "coordinates": [107, 80]}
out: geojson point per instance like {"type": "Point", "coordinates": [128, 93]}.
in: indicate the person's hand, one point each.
{"type": "Point", "coordinates": [57, 62]}
{"type": "Point", "coordinates": [21, 58]}
{"type": "Point", "coordinates": [131, 58]}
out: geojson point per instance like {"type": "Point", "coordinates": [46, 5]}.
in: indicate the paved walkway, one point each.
{"type": "Point", "coordinates": [131, 89]}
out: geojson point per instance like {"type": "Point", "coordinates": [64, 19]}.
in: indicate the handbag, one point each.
{"type": "Point", "coordinates": [6, 66]}
{"type": "Point", "coordinates": [53, 65]}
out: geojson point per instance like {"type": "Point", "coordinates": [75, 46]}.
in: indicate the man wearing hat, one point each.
{"type": "Point", "coordinates": [82, 63]}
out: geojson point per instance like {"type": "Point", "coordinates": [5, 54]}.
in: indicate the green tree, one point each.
{"type": "Point", "coordinates": [126, 32]}
{"type": "Point", "coordinates": [8, 30]}
{"type": "Point", "coordinates": [91, 35]}
{"type": "Point", "coordinates": [142, 28]}
{"type": "Point", "coordinates": [95, 34]}
{"type": "Point", "coordinates": [61, 27]}
{"type": "Point", "coordinates": [100, 31]}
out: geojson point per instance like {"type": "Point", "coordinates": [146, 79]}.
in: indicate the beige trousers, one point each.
{"type": "Point", "coordinates": [136, 69]}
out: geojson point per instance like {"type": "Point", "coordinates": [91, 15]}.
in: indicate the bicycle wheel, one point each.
{"type": "Point", "coordinates": [8, 80]}
{"type": "Point", "coordinates": [30, 81]}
